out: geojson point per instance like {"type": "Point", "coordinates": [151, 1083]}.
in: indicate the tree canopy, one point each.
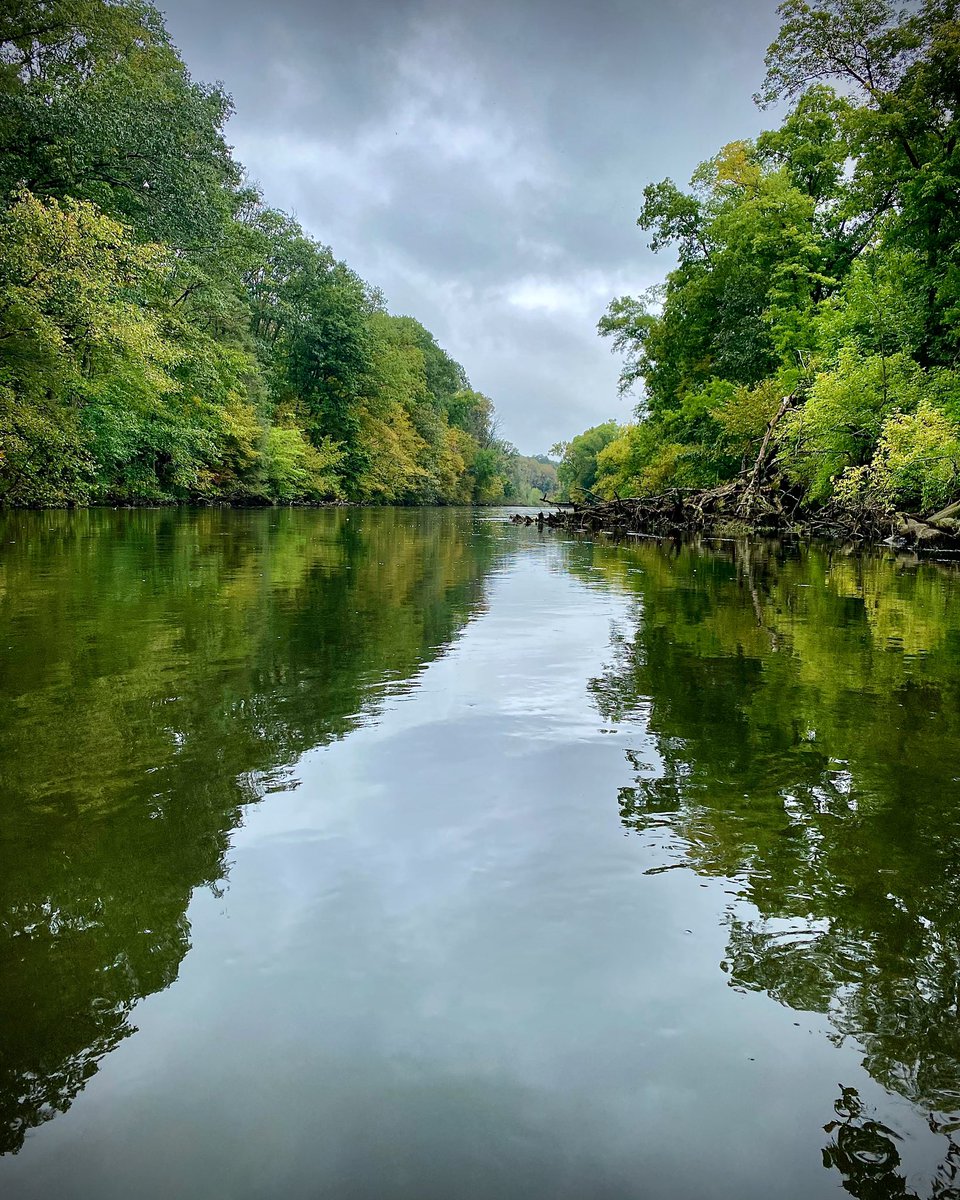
{"type": "Point", "coordinates": [164, 333]}
{"type": "Point", "coordinates": [819, 261]}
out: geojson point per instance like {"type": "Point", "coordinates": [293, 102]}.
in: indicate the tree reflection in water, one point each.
{"type": "Point", "coordinates": [805, 709]}
{"type": "Point", "coordinates": [865, 1153]}
{"type": "Point", "coordinates": [165, 668]}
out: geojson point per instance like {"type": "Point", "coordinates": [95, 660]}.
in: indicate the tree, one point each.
{"type": "Point", "coordinates": [577, 472]}
{"type": "Point", "coordinates": [902, 69]}
{"type": "Point", "coordinates": [165, 334]}
{"type": "Point", "coordinates": [85, 369]}
{"type": "Point", "coordinates": [96, 104]}
{"type": "Point", "coordinates": [820, 262]}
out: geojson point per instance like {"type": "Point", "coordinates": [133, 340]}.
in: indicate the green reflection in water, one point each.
{"type": "Point", "coordinates": [163, 669]}
{"type": "Point", "coordinates": [160, 670]}
{"type": "Point", "coordinates": [866, 1153]}
{"type": "Point", "coordinates": [805, 707]}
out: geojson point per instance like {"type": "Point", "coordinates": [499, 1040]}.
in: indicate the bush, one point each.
{"type": "Point", "coordinates": [916, 465]}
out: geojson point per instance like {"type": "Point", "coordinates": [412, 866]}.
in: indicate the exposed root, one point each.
{"type": "Point", "coordinates": [752, 503]}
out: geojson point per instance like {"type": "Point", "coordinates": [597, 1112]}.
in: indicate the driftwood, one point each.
{"type": "Point", "coordinates": [754, 502]}
{"type": "Point", "coordinates": [753, 492]}
{"type": "Point", "coordinates": [757, 501]}
{"type": "Point", "coordinates": [676, 511]}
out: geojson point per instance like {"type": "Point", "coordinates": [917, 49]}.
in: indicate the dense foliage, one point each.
{"type": "Point", "coordinates": [818, 273]}
{"type": "Point", "coordinates": [166, 335]}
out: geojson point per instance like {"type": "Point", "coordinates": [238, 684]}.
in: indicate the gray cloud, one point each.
{"type": "Point", "coordinates": [483, 163]}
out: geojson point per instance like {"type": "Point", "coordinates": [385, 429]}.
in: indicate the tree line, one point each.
{"type": "Point", "coordinates": [816, 292]}
{"type": "Point", "coordinates": [167, 335]}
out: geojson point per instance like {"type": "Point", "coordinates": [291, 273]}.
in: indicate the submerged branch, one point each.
{"type": "Point", "coordinates": [752, 503]}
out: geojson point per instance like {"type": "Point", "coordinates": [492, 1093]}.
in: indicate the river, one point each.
{"type": "Point", "coordinates": [410, 854]}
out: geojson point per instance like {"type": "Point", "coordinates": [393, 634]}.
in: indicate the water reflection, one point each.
{"type": "Point", "coordinates": [867, 1155]}
{"type": "Point", "coordinates": [793, 726]}
{"type": "Point", "coordinates": [805, 707]}
{"type": "Point", "coordinates": [161, 670]}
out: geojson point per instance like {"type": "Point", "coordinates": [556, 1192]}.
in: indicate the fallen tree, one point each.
{"type": "Point", "coordinates": [758, 500]}
{"type": "Point", "coordinates": [751, 503]}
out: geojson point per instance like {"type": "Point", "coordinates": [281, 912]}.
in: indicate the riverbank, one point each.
{"type": "Point", "coordinates": [733, 509]}
{"type": "Point", "coordinates": [241, 503]}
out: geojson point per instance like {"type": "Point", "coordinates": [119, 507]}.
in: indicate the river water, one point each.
{"type": "Point", "coordinates": [409, 854]}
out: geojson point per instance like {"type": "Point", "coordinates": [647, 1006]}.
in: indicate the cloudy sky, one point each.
{"type": "Point", "coordinates": [483, 163]}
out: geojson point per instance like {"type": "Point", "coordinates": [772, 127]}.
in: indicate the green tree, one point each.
{"type": "Point", "coordinates": [85, 372]}
{"type": "Point", "coordinates": [577, 472]}
{"type": "Point", "coordinates": [96, 104]}
{"type": "Point", "coordinates": [166, 335]}
{"type": "Point", "coordinates": [819, 262]}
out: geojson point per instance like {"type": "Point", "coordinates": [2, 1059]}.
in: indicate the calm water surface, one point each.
{"type": "Point", "coordinates": [406, 854]}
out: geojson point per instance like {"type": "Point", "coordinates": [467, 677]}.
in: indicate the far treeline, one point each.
{"type": "Point", "coordinates": [165, 335]}
{"type": "Point", "coordinates": [813, 317]}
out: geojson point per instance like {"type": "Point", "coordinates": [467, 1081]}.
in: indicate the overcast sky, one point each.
{"type": "Point", "coordinates": [483, 163]}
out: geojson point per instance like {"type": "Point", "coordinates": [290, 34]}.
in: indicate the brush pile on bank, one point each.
{"type": "Point", "coordinates": [737, 509]}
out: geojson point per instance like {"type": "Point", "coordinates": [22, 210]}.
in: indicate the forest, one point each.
{"type": "Point", "coordinates": [166, 335]}
{"type": "Point", "coordinates": [811, 323]}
